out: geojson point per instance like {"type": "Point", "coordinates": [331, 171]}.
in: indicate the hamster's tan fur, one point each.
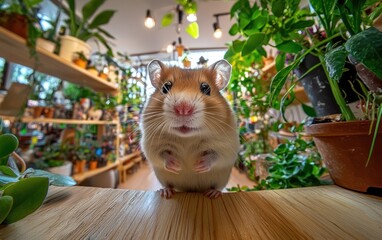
{"type": "Point", "coordinates": [214, 137]}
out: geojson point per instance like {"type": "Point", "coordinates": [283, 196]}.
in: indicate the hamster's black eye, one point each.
{"type": "Point", "coordinates": [166, 87]}
{"type": "Point", "coordinates": [205, 88]}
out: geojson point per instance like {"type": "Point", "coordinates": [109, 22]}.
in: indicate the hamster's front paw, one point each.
{"type": "Point", "coordinates": [170, 163]}
{"type": "Point", "coordinates": [167, 192]}
{"type": "Point", "coordinates": [212, 193]}
{"type": "Point", "coordinates": [204, 164]}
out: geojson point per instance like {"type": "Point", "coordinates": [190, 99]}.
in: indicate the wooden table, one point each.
{"type": "Point", "coordinates": [327, 212]}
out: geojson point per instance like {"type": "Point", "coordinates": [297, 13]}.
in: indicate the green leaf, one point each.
{"type": "Point", "coordinates": [8, 143]}
{"type": "Point", "coordinates": [54, 179]}
{"type": "Point", "coordinates": [90, 8]}
{"type": "Point", "coordinates": [28, 195]}
{"type": "Point", "coordinates": [6, 203]}
{"type": "Point", "coordinates": [167, 19]}
{"type": "Point", "coordinates": [278, 7]}
{"type": "Point", "coordinates": [233, 30]}
{"type": "Point", "coordinates": [101, 19]}
{"type": "Point", "coordinates": [308, 110]}
{"type": "Point", "coordinates": [278, 82]}
{"type": "Point", "coordinates": [280, 61]}
{"type": "Point", "coordinates": [366, 47]}
{"type": "Point", "coordinates": [289, 47]}
{"type": "Point", "coordinates": [302, 24]}
{"type": "Point", "coordinates": [335, 62]}
{"type": "Point", "coordinates": [8, 171]}
{"type": "Point", "coordinates": [193, 30]}
{"type": "Point", "coordinates": [237, 45]}
{"type": "Point", "coordinates": [252, 43]}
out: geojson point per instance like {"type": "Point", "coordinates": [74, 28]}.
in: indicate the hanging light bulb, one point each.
{"type": "Point", "coordinates": [149, 21]}
{"type": "Point", "coordinates": [217, 31]}
{"type": "Point", "coordinates": [170, 48]}
{"type": "Point", "coordinates": [192, 17]}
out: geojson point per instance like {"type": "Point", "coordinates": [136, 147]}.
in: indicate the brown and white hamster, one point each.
{"type": "Point", "coordinates": [189, 132]}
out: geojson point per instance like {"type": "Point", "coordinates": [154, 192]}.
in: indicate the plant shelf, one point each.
{"type": "Point", "coordinates": [68, 121]}
{"type": "Point", "coordinates": [80, 177]}
{"type": "Point", "coordinates": [14, 49]}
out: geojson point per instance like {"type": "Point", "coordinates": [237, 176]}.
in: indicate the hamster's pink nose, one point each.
{"type": "Point", "coordinates": [184, 109]}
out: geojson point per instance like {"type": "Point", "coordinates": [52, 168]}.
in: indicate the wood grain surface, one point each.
{"type": "Point", "coordinates": [327, 212]}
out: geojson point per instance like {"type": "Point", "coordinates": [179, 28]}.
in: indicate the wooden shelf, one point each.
{"type": "Point", "coordinates": [79, 177]}
{"type": "Point", "coordinates": [67, 121]}
{"type": "Point", "coordinates": [14, 49]}
{"type": "Point", "coordinates": [129, 156]}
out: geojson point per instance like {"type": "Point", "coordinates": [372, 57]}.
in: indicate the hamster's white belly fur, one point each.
{"type": "Point", "coordinates": [187, 151]}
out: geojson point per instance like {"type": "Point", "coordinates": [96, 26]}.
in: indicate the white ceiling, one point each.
{"type": "Point", "coordinates": [131, 36]}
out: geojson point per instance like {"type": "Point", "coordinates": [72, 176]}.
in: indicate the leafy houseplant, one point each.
{"type": "Point", "coordinates": [22, 193]}
{"type": "Point", "coordinates": [89, 25]}
{"type": "Point", "coordinates": [293, 164]}
{"type": "Point", "coordinates": [20, 16]}
{"type": "Point", "coordinates": [364, 44]}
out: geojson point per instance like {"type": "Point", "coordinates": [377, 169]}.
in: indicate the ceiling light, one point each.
{"type": "Point", "coordinates": [149, 21]}
{"type": "Point", "coordinates": [192, 17]}
{"type": "Point", "coordinates": [217, 31]}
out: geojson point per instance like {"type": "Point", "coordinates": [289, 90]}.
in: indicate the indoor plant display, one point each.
{"type": "Point", "coordinates": [354, 165]}
{"type": "Point", "coordinates": [80, 30]}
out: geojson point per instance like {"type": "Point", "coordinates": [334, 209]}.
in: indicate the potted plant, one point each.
{"type": "Point", "coordinates": [19, 16]}
{"type": "Point", "coordinates": [53, 159]}
{"type": "Point", "coordinates": [80, 30]}
{"type": "Point", "coordinates": [48, 38]}
{"type": "Point", "coordinates": [21, 193]}
{"type": "Point", "coordinates": [80, 60]}
{"type": "Point", "coordinates": [353, 163]}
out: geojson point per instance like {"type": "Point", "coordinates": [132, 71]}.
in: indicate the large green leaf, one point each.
{"type": "Point", "coordinates": [335, 62]}
{"type": "Point", "coordinates": [101, 19]}
{"type": "Point", "coordinates": [8, 171]}
{"type": "Point", "coordinates": [278, 7]}
{"type": "Point", "coordinates": [6, 203]}
{"type": "Point", "coordinates": [302, 24]}
{"type": "Point", "coordinates": [366, 47]}
{"type": "Point", "coordinates": [28, 195]}
{"type": "Point", "coordinates": [252, 43]}
{"type": "Point", "coordinates": [237, 45]}
{"type": "Point", "coordinates": [289, 47]}
{"type": "Point", "coordinates": [193, 30]}
{"type": "Point", "coordinates": [278, 82]}
{"type": "Point", "coordinates": [233, 30]}
{"type": "Point", "coordinates": [167, 19]}
{"type": "Point", "coordinates": [323, 6]}
{"type": "Point", "coordinates": [8, 144]}
{"type": "Point", "coordinates": [308, 110]}
{"type": "Point", "coordinates": [54, 179]}
{"type": "Point", "coordinates": [90, 8]}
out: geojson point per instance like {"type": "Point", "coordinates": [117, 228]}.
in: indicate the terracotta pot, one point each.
{"type": "Point", "coordinates": [344, 147]}
{"type": "Point", "coordinates": [93, 165]}
{"type": "Point", "coordinates": [80, 62]}
{"type": "Point", "coordinates": [37, 111]}
{"type": "Point", "coordinates": [14, 22]}
{"type": "Point", "coordinates": [80, 166]}
{"type": "Point", "coordinates": [49, 112]}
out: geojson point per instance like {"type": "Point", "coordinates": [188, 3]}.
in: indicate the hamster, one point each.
{"type": "Point", "coordinates": [189, 132]}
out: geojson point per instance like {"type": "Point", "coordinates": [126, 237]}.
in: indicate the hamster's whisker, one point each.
{"type": "Point", "coordinates": [212, 116]}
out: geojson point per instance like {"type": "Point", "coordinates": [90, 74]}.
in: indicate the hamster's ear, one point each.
{"type": "Point", "coordinates": [223, 73]}
{"type": "Point", "coordinates": [154, 69]}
